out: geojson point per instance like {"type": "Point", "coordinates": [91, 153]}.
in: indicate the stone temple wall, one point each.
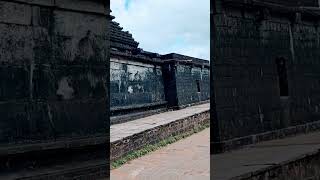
{"type": "Point", "coordinates": [134, 83]}
{"type": "Point", "coordinates": [294, 2]}
{"type": "Point", "coordinates": [53, 69]}
{"type": "Point", "coordinates": [186, 83]}
{"type": "Point", "coordinates": [140, 82]}
{"type": "Point", "coordinates": [192, 84]}
{"type": "Point", "coordinates": [248, 42]}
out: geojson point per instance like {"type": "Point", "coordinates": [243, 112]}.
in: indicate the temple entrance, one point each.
{"type": "Point", "coordinates": [284, 92]}
{"type": "Point", "coordinates": [282, 75]}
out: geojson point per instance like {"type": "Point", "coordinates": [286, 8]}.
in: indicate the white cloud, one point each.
{"type": "Point", "coordinates": [165, 26]}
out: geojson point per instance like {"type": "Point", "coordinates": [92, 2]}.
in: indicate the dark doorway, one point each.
{"type": "Point", "coordinates": [282, 74]}
{"type": "Point", "coordinates": [198, 86]}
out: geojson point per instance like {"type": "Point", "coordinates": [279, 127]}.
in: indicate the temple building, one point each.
{"type": "Point", "coordinates": [142, 81]}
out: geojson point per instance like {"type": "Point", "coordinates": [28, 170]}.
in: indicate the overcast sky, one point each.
{"type": "Point", "coordinates": [166, 26]}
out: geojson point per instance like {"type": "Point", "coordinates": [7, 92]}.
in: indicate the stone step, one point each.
{"type": "Point", "coordinates": [65, 163]}
{"type": "Point", "coordinates": [88, 170]}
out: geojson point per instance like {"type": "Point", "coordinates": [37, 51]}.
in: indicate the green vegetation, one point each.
{"type": "Point", "coordinates": [149, 148]}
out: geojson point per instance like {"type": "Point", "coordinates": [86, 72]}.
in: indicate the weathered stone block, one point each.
{"type": "Point", "coordinates": [54, 69]}
{"type": "Point", "coordinates": [15, 13]}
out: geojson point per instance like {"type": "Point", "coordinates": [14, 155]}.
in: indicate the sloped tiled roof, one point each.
{"type": "Point", "coordinates": [120, 39]}
{"type": "Point", "coordinates": [124, 45]}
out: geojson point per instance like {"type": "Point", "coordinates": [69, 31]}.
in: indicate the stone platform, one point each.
{"type": "Point", "coordinates": [289, 158]}
{"type": "Point", "coordinates": [135, 134]}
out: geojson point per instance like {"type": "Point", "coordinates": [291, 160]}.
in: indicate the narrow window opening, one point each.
{"type": "Point", "coordinates": [282, 74]}
{"type": "Point", "coordinates": [198, 86]}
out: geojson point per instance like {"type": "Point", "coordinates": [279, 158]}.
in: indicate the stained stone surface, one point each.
{"type": "Point", "coordinates": [53, 67]}
{"type": "Point", "coordinates": [246, 46]}
{"type": "Point", "coordinates": [134, 83]}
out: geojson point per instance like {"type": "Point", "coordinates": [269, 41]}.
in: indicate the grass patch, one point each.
{"type": "Point", "coordinates": [150, 148]}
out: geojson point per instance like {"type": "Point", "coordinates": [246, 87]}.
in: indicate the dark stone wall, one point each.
{"type": "Point", "coordinates": [152, 84]}
{"type": "Point", "coordinates": [53, 70]}
{"type": "Point", "coordinates": [246, 44]}
{"type": "Point", "coordinates": [186, 84]}
{"type": "Point", "coordinates": [304, 73]}
{"type": "Point", "coordinates": [293, 2]}
{"type": "Point", "coordinates": [133, 83]}
{"type": "Point", "coordinates": [192, 84]}
{"type": "Point", "coordinates": [285, 3]}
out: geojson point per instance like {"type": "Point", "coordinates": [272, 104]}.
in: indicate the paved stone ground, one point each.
{"type": "Point", "coordinates": [120, 131]}
{"type": "Point", "coordinates": [187, 159]}
{"type": "Point", "coordinates": [262, 155]}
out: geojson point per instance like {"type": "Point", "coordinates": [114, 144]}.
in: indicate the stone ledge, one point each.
{"type": "Point", "coordinates": [237, 143]}
{"type": "Point", "coordinates": [134, 116]}
{"type": "Point", "coordinates": [274, 7]}
{"type": "Point", "coordinates": [120, 148]}
{"type": "Point", "coordinates": [138, 106]}
{"type": "Point", "coordinates": [193, 104]}
{"type": "Point", "coordinates": [86, 170]}
{"type": "Point", "coordinates": [12, 149]}
{"type": "Point", "coordinates": [60, 5]}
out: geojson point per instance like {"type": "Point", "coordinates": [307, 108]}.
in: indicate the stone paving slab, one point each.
{"type": "Point", "coordinates": [263, 155]}
{"type": "Point", "coordinates": [187, 159]}
{"type": "Point", "coordinates": [11, 149]}
{"type": "Point", "coordinates": [120, 131]}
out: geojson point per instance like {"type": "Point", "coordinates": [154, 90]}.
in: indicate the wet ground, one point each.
{"type": "Point", "coordinates": [187, 159]}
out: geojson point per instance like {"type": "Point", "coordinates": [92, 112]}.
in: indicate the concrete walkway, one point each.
{"type": "Point", "coordinates": [120, 131]}
{"type": "Point", "coordinates": [187, 159]}
{"type": "Point", "coordinates": [263, 155]}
